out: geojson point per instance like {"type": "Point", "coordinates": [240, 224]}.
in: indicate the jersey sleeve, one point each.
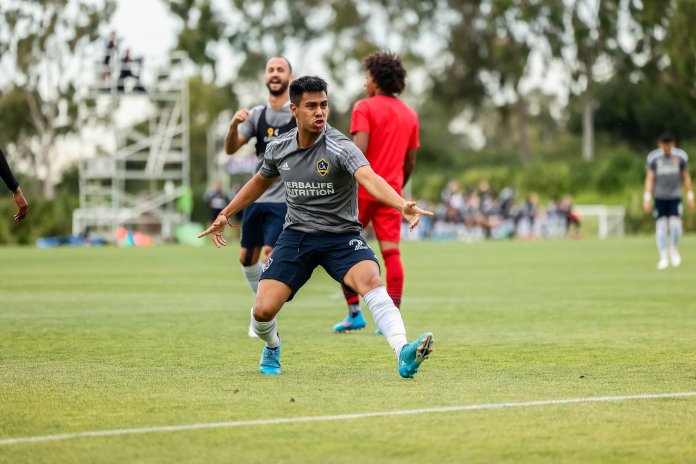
{"type": "Point", "coordinates": [651, 163]}
{"type": "Point", "coordinates": [683, 161]}
{"type": "Point", "coordinates": [352, 158]}
{"type": "Point", "coordinates": [269, 167]}
{"type": "Point", "coordinates": [360, 118]}
{"type": "Point", "coordinates": [247, 129]}
{"type": "Point", "coordinates": [6, 173]}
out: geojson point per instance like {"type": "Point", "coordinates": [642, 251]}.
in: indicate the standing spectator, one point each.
{"type": "Point", "coordinates": [13, 185]}
{"type": "Point", "coordinates": [216, 200]}
{"type": "Point", "coordinates": [527, 220]}
{"type": "Point", "coordinates": [111, 50]}
{"type": "Point", "coordinates": [570, 217]}
{"type": "Point", "coordinates": [488, 208]}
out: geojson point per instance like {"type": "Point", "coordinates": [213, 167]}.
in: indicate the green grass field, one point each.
{"type": "Point", "coordinates": [103, 339]}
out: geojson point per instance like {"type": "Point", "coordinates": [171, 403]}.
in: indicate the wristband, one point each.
{"type": "Point", "coordinates": [227, 219]}
{"type": "Point", "coordinates": [690, 195]}
{"type": "Point", "coordinates": [647, 196]}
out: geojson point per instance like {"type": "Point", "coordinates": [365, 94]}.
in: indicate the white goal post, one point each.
{"type": "Point", "coordinates": [610, 219]}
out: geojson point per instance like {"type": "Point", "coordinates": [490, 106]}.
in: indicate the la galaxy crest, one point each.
{"type": "Point", "coordinates": [322, 167]}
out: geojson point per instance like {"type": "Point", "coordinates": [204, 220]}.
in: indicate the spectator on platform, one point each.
{"type": "Point", "coordinates": [111, 50]}
{"type": "Point", "coordinates": [130, 69]}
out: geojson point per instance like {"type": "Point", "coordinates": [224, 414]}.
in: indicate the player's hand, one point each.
{"type": "Point", "coordinates": [217, 228]}
{"type": "Point", "coordinates": [646, 207]}
{"type": "Point", "coordinates": [22, 205]}
{"type": "Point", "coordinates": [239, 117]}
{"type": "Point", "coordinates": [692, 204]}
{"type": "Point", "coordinates": [413, 213]}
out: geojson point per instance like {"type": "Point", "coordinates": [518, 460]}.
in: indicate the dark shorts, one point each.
{"type": "Point", "coordinates": [262, 224]}
{"type": "Point", "coordinates": [297, 254]}
{"type": "Point", "coordinates": [667, 208]}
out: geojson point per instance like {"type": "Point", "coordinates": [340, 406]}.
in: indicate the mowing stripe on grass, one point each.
{"type": "Point", "coordinates": [364, 415]}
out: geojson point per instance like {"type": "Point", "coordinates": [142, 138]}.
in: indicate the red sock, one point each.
{"type": "Point", "coordinates": [352, 298]}
{"type": "Point", "coordinates": [395, 274]}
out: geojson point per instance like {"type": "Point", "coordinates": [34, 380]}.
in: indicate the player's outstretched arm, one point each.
{"type": "Point", "coordinates": [251, 191]}
{"type": "Point", "coordinates": [234, 140]}
{"type": "Point", "coordinates": [384, 193]}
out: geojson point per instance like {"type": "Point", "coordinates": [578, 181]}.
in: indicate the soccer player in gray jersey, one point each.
{"type": "Point", "coordinates": [667, 170]}
{"type": "Point", "coordinates": [321, 169]}
{"type": "Point", "coordinates": [263, 221]}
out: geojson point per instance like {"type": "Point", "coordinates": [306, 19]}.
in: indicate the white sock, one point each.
{"type": "Point", "coordinates": [661, 236]}
{"type": "Point", "coordinates": [266, 331]}
{"type": "Point", "coordinates": [675, 230]}
{"type": "Point", "coordinates": [353, 309]}
{"type": "Point", "coordinates": [387, 317]}
{"type": "Point", "coordinates": [252, 274]}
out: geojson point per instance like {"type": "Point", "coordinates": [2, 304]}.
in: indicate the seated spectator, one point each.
{"type": "Point", "coordinates": [129, 66]}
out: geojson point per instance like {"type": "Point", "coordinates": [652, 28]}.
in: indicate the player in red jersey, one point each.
{"type": "Point", "coordinates": [386, 130]}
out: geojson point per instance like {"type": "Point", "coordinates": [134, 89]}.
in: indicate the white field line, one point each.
{"type": "Point", "coordinates": [294, 420]}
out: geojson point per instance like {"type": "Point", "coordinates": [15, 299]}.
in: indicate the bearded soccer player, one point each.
{"type": "Point", "coordinates": [321, 169]}
{"type": "Point", "coordinates": [386, 131]}
{"type": "Point", "coordinates": [667, 171]}
{"type": "Point", "coordinates": [262, 222]}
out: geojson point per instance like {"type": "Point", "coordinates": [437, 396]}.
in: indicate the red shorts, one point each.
{"type": "Point", "coordinates": [385, 220]}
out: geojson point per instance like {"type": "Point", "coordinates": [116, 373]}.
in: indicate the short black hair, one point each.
{"type": "Point", "coordinates": [387, 71]}
{"type": "Point", "coordinates": [305, 84]}
{"type": "Point", "coordinates": [666, 137]}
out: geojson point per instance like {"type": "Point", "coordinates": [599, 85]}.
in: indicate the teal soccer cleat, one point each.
{"type": "Point", "coordinates": [350, 323]}
{"type": "Point", "coordinates": [413, 354]}
{"type": "Point", "coordinates": [270, 361]}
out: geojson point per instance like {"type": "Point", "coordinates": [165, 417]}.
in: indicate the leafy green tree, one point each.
{"type": "Point", "coordinates": [588, 44]}
{"type": "Point", "coordinates": [42, 47]}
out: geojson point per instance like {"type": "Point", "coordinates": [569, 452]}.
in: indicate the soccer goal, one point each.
{"type": "Point", "coordinates": [609, 219]}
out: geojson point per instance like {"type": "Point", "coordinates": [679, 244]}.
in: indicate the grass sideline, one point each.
{"type": "Point", "coordinates": [100, 339]}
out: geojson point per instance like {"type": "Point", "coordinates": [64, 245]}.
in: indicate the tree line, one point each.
{"type": "Point", "coordinates": [626, 69]}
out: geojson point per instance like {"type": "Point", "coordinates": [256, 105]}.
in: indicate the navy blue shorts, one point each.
{"type": "Point", "coordinates": [667, 208]}
{"type": "Point", "coordinates": [262, 224]}
{"type": "Point", "coordinates": [297, 254]}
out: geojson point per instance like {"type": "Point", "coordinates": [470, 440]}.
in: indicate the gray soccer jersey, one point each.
{"type": "Point", "coordinates": [249, 129]}
{"type": "Point", "coordinates": [321, 192]}
{"type": "Point", "coordinates": [668, 172]}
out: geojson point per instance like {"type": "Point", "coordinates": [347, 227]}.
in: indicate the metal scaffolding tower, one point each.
{"type": "Point", "coordinates": [142, 170]}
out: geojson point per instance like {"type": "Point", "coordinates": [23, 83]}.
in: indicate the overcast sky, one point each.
{"type": "Point", "coordinates": [146, 26]}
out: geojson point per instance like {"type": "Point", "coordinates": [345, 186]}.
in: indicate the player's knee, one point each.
{"type": "Point", "coordinates": [267, 250]}
{"type": "Point", "coordinates": [262, 312]}
{"type": "Point", "coordinates": [372, 282]}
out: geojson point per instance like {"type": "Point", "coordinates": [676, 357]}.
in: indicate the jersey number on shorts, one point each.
{"type": "Point", "coordinates": [358, 244]}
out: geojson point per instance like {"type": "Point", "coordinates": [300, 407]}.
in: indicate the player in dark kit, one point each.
{"type": "Point", "coordinates": [263, 221]}
{"type": "Point", "coordinates": [321, 169]}
{"type": "Point", "coordinates": [386, 131]}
